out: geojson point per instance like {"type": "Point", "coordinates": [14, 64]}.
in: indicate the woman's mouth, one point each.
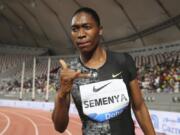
{"type": "Point", "coordinates": [83, 44]}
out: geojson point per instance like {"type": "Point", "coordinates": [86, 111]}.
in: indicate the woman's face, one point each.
{"type": "Point", "coordinates": [85, 32]}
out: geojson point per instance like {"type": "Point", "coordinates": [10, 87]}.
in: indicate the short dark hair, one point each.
{"type": "Point", "coordinates": [89, 11]}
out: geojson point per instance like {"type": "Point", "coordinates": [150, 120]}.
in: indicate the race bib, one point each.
{"type": "Point", "coordinates": [104, 100]}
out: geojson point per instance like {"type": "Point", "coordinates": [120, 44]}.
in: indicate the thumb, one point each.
{"type": "Point", "coordinates": [63, 64]}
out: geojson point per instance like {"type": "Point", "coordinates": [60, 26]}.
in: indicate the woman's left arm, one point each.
{"type": "Point", "coordinates": [140, 109]}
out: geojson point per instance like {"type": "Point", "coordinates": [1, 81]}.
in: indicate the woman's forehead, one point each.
{"type": "Point", "coordinates": [82, 18]}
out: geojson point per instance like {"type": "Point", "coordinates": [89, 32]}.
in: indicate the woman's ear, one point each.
{"type": "Point", "coordinates": [101, 30]}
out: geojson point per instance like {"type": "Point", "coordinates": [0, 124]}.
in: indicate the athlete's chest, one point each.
{"type": "Point", "coordinates": [109, 71]}
{"type": "Point", "coordinates": [104, 90]}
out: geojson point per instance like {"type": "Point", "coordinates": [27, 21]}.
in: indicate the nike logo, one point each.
{"type": "Point", "coordinates": [98, 89]}
{"type": "Point", "coordinates": [116, 75]}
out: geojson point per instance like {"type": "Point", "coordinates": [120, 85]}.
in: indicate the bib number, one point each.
{"type": "Point", "coordinates": [104, 100]}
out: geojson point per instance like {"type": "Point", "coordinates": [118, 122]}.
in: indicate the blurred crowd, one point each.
{"type": "Point", "coordinates": [163, 77]}
{"type": "Point", "coordinates": [14, 86]}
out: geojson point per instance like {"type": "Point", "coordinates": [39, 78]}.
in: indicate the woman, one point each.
{"type": "Point", "coordinates": [103, 84]}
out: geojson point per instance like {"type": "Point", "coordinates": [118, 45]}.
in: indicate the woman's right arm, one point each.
{"type": "Point", "coordinates": [60, 115]}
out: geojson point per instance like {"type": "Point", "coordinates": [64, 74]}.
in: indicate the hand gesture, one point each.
{"type": "Point", "coordinates": [67, 77]}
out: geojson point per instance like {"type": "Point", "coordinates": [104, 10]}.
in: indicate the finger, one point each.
{"type": "Point", "coordinates": [63, 64]}
{"type": "Point", "coordinates": [84, 75]}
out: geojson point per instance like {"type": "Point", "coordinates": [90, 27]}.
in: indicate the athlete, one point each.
{"type": "Point", "coordinates": [102, 83]}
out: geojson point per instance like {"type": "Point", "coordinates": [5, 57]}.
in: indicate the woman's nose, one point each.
{"type": "Point", "coordinates": [81, 33]}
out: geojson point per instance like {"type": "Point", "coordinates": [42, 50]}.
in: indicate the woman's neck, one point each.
{"type": "Point", "coordinates": [95, 59]}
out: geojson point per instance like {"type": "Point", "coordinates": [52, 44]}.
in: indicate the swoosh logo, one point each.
{"type": "Point", "coordinates": [98, 89]}
{"type": "Point", "coordinates": [116, 75]}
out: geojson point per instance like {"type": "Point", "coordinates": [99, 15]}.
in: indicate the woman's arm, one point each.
{"type": "Point", "coordinates": [60, 115]}
{"type": "Point", "coordinates": [140, 109]}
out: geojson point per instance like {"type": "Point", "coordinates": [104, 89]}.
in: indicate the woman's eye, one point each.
{"type": "Point", "coordinates": [88, 27]}
{"type": "Point", "coordinates": [74, 29]}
